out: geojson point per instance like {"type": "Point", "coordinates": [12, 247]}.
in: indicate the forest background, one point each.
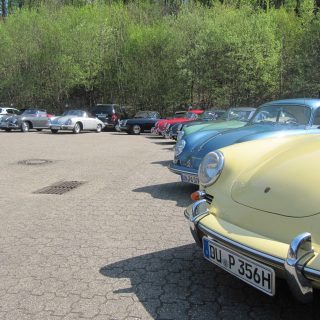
{"type": "Point", "coordinates": [157, 54]}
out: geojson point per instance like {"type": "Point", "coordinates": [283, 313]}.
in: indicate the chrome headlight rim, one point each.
{"type": "Point", "coordinates": [68, 122]}
{"type": "Point", "coordinates": [180, 145]}
{"type": "Point", "coordinates": [211, 179]}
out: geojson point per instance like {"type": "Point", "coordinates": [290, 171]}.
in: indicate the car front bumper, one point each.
{"type": "Point", "coordinates": [61, 127]}
{"type": "Point", "coordinates": [295, 262]}
{"type": "Point", "coordinates": [187, 174]}
{"type": "Point", "coordinates": [9, 125]}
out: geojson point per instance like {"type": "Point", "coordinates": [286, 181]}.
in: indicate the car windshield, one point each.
{"type": "Point", "coordinates": [30, 112]}
{"type": "Point", "coordinates": [210, 115]}
{"type": "Point", "coordinates": [179, 114]}
{"type": "Point", "coordinates": [191, 115]}
{"type": "Point", "coordinates": [77, 113]}
{"type": "Point", "coordinates": [282, 114]}
{"type": "Point", "coordinates": [241, 115]}
{"type": "Point", "coordinates": [142, 114]}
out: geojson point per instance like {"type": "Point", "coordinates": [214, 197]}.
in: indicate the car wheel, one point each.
{"type": "Point", "coordinates": [136, 129]}
{"type": "Point", "coordinates": [25, 127]}
{"type": "Point", "coordinates": [39, 130]}
{"type": "Point", "coordinates": [77, 128]}
{"type": "Point", "coordinates": [54, 130]}
{"type": "Point", "coordinates": [99, 128]}
{"type": "Point", "coordinates": [7, 130]}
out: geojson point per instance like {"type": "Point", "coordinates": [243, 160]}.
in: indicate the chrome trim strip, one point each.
{"type": "Point", "coordinates": [179, 171]}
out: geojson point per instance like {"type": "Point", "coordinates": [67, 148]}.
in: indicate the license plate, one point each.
{"type": "Point", "coordinates": [189, 178]}
{"type": "Point", "coordinates": [246, 269]}
{"type": "Point", "coordinates": [55, 128]}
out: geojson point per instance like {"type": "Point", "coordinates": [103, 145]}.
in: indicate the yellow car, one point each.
{"type": "Point", "coordinates": [257, 214]}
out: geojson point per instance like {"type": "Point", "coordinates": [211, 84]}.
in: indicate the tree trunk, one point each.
{"type": "Point", "coordinates": [3, 9]}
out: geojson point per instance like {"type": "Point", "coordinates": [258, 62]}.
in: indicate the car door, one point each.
{"type": "Point", "coordinates": [41, 120]}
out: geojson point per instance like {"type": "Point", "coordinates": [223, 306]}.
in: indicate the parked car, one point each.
{"type": "Point", "coordinates": [231, 118]}
{"type": "Point", "coordinates": [207, 116]}
{"type": "Point", "coordinates": [141, 122]}
{"type": "Point", "coordinates": [283, 117]}
{"type": "Point", "coordinates": [162, 125]}
{"type": "Point", "coordinates": [29, 119]}
{"type": "Point", "coordinates": [76, 121]}
{"type": "Point", "coordinates": [109, 114]}
{"type": "Point", "coordinates": [257, 214]}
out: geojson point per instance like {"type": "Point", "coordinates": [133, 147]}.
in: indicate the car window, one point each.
{"type": "Point", "coordinates": [30, 112]}
{"type": "Point", "coordinates": [283, 114]}
{"type": "Point", "coordinates": [316, 120]}
{"type": "Point", "coordinates": [241, 115]}
{"type": "Point", "coordinates": [9, 111]}
{"type": "Point", "coordinates": [104, 109]}
{"type": "Point", "coordinates": [77, 113]}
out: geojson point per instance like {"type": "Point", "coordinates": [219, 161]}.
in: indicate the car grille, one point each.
{"type": "Point", "coordinates": [208, 198]}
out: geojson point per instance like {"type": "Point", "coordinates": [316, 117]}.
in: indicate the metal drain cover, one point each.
{"type": "Point", "coordinates": [35, 162]}
{"type": "Point", "coordinates": [60, 187]}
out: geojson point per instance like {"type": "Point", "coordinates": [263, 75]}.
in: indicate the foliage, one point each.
{"type": "Point", "coordinates": [157, 56]}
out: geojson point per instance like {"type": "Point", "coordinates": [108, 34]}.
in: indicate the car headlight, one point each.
{"type": "Point", "coordinates": [180, 135]}
{"type": "Point", "coordinates": [68, 122]}
{"type": "Point", "coordinates": [179, 147]}
{"type": "Point", "coordinates": [211, 167]}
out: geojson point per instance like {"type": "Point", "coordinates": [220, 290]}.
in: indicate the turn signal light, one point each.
{"type": "Point", "coordinates": [198, 195]}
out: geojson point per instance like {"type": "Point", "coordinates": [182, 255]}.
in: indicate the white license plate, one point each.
{"type": "Point", "coordinates": [189, 178]}
{"type": "Point", "coordinates": [246, 269]}
{"type": "Point", "coordinates": [55, 128]}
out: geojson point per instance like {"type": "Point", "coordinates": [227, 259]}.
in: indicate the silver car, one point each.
{"type": "Point", "coordinates": [29, 119]}
{"type": "Point", "coordinates": [76, 121]}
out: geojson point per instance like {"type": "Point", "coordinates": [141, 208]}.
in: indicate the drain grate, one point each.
{"type": "Point", "coordinates": [35, 162]}
{"type": "Point", "coordinates": [60, 187]}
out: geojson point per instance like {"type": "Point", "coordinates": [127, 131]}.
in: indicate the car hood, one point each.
{"type": "Point", "coordinates": [270, 184]}
{"type": "Point", "coordinates": [245, 133]}
{"type": "Point", "coordinates": [62, 119]}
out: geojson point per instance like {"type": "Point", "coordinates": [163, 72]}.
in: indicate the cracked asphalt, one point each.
{"type": "Point", "coordinates": [118, 246]}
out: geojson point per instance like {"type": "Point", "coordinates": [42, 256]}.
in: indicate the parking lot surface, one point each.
{"type": "Point", "coordinates": [117, 246]}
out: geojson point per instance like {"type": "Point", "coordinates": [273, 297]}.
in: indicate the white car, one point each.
{"type": "Point", "coordinates": [76, 121]}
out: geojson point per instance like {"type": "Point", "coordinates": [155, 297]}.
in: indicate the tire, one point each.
{"type": "Point", "coordinates": [7, 130]}
{"type": "Point", "coordinates": [99, 128]}
{"type": "Point", "coordinates": [76, 128]}
{"type": "Point", "coordinates": [136, 129]}
{"type": "Point", "coordinates": [25, 126]}
{"type": "Point", "coordinates": [39, 130]}
{"type": "Point", "coordinates": [54, 130]}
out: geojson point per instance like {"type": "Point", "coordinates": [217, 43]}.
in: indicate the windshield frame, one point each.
{"type": "Point", "coordinates": [311, 114]}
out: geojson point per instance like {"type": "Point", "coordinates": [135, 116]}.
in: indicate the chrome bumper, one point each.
{"type": "Point", "coordinates": [180, 170]}
{"type": "Point", "coordinates": [297, 274]}
{"type": "Point", "coordinates": [61, 127]}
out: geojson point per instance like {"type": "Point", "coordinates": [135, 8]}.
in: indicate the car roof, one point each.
{"type": "Point", "coordinates": [243, 108]}
{"type": "Point", "coordinates": [312, 103]}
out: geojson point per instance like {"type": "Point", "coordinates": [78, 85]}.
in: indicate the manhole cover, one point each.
{"type": "Point", "coordinates": [60, 187]}
{"type": "Point", "coordinates": [35, 162]}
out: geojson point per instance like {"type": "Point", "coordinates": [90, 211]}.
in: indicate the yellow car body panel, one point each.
{"type": "Point", "coordinates": [267, 194]}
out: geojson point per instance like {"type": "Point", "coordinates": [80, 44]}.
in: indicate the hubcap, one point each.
{"type": "Point", "coordinates": [136, 129]}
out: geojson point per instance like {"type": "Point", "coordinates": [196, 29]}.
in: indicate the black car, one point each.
{"type": "Point", "coordinates": [109, 114]}
{"type": "Point", "coordinates": [141, 122]}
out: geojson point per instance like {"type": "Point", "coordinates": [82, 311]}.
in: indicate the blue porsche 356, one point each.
{"type": "Point", "coordinates": [272, 119]}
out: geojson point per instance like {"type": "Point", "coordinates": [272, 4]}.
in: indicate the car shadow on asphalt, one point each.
{"type": "Point", "coordinates": [155, 137]}
{"type": "Point", "coordinates": [164, 163]}
{"type": "Point", "coordinates": [178, 283]}
{"type": "Point", "coordinates": [166, 143]}
{"type": "Point", "coordinates": [173, 191]}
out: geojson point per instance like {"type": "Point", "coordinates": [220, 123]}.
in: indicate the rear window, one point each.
{"type": "Point", "coordinates": [107, 109]}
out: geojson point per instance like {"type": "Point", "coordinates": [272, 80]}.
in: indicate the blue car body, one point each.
{"type": "Point", "coordinates": [198, 144]}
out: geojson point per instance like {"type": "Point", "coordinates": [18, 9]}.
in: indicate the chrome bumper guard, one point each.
{"type": "Point", "coordinates": [299, 253]}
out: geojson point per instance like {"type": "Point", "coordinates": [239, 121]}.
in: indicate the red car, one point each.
{"type": "Point", "coordinates": [162, 125]}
